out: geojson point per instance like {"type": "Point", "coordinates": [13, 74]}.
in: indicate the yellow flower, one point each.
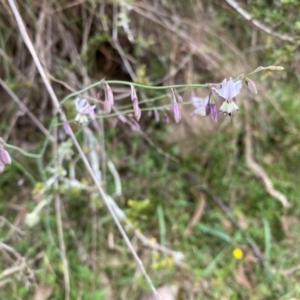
{"type": "Point", "coordinates": [237, 253]}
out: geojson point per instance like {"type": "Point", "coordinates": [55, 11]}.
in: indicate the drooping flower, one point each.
{"type": "Point", "coordinates": [66, 127]}
{"type": "Point", "coordinates": [204, 107]}
{"type": "Point", "coordinates": [251, 85]}
{"type": "Point", "coordinates": [229, 90]}
{"type": "Point", "coordinates": [136, 108]}
{"type": "Point", "coordinates": [213, 112]}
{"type": "Point", "coordinates": [5, 157]}
{"type": "Point", "coordinates": [83, 109]}
{"type": "Point", "coordinates": [200, 105]}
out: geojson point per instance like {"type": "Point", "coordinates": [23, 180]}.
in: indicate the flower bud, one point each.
{"type": "Point", "coordinates": [110, 95]}
{"type": "Point", "coordinates": [107, 106]}
{"type": "Point", "coordinates": [176, 110]}
{"type": "Point", "coordinates": [251, 85]}
{"type": "Point", "coordinates": [136, 109]}
{"type": "Point", "coordinates": [275, 68]}
{"type": "Point", "coordinates": [135, 100]}
{"type": "Point", "coordinates": [5, 157]}
{"type": "Point", "coordinates": [67, 128]}
{"type": "Point", "coordinates": [213, 112]}
{"type": "Point", "coordinates": [177, 96]}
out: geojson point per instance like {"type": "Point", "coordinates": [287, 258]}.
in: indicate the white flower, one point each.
{"type": "Point", "coordinates": [228, 107]}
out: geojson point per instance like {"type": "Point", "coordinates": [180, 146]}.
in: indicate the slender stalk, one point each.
{"type": "Point", "coordinates": [166, 87]}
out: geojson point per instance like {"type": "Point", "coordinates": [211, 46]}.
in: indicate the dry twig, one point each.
{"type": "Point", "coordinates": [259, 24]}
{"type": "Point", "coordinates": [57, 107]}
{"type": "Point", "coordinates": [258, 170]}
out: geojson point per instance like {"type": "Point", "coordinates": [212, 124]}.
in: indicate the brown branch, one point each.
{"type": "Point", "coordinates": [259, 24]}
{"type": "Point", "coordinates": [259, 171]}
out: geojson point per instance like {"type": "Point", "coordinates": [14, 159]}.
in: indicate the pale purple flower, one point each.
{"type": "Point", "coordinates": [251, 85]}
{"type": "Point", "coordinates": [204, 107]}
{"type": "Point", "coordinates": [109, 95]}
{"type": "Point", "coordinates": [201, 106]}
{"type": "Point", "coordinates": [229, 89]}
{"type": "Point", "coordinates": [176, 111]}
{"type": "Point", "coordinates": [67, 127]}
{"type": "Point", "coordinates": [84, 108]}
{"type": "Point", "coordinates": [5, 157]}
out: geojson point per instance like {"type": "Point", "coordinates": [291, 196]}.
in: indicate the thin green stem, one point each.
{"type": "Point", "coordinates": [166, 87]}
{"type": "Point", "coordinates": [32, 155]}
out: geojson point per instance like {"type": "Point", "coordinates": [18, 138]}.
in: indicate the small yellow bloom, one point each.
{"type": "Point", "coordinates": [237, 253]}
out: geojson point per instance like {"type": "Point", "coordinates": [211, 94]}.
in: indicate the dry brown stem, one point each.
{"type": "Point", "coordinates": [259, 24]}
{"type": "Point", "coordinates": [257, 169]}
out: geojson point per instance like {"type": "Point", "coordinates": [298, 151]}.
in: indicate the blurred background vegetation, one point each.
{"type": "Point", "coordinates": [212, 192]}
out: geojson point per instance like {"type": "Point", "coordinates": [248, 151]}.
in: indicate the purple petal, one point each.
{"type": "Point", "coordinates": [135, 126]}
{"type": "Point", "coordinates": [80, 104]}
{"type": "Point", "coordinates": [230, 89]}
{"type": "Point", "coordinates": [5, 157]}
{"type": "Point", "coordinates": [213, 112]}
{"type": "Point", "coordinates": [107, 106]}
{"type": "Point", "coordinates": [200, 103]}
{"type": "Point", "coordinates": [122, 118]}
{"type": "Point", "coordinates": [251, 86]}
{"type": "Point", "coordinates": [91, 112]}
{"type": "Point", "coordinates": [176, 110]}
{"type": "Point", "coordinates": [238, 87]}
{"type": "Point", "coordinates": [207, 110]}
{"type": "Point", "coordinates": [66, 127]}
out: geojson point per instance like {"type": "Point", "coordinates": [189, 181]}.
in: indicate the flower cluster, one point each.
{"type": "Point", "coordinates": [228, 90]}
